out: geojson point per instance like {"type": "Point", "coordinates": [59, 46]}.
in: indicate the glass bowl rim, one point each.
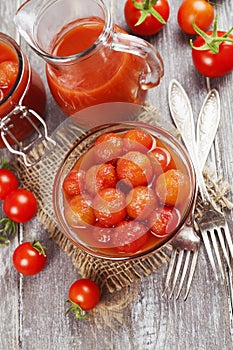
{"type": "Point", "coordinates": [102, 128]}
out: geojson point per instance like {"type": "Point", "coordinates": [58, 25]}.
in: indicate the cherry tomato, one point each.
{"type": "Point", "coordinates": [109, 207]}
{"type": "Point", "coordinates": [172, 187]}
{"type": "Point", "coordinates": [85, 293]}
{"type": "Point", "coordinates": [130, 236]}
{"type": "Point", "coordinates": [135, 169]}
{"type": "Point", "coordinates": [200, 12]}
{"type": "Point", "coordinates": [79, 211]}
{"type": "Point", "coordinates": [163, 221]}
{"type": "Point", "coordinates": [108, 147]}
{"type": "Point", "coordinates": [142, 15]}
{"type": "Point", "coordinates": [137, 140]}
{"type": "Point", "coordinates": [160, 159]}
{"type": "Point", "coordinates": [8, 74]}
{"type": "Point", "coordinates": [20, 205]}
{"type": "Point", "coordinates": [8, 182]}
{"type": "Point", "coordinates": [29, 258]}
{"type": "Point", "coordinates": [140, 201]}
{"type": "Point", "coordinates": [74, 182]}
{"type": "Point", "coordinates": [99, 177]}
{"type": "Point", "coordinates": [211, 64]}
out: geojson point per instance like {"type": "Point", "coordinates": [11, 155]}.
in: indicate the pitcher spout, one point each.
{"type": "Point", "coordinates": [29, 24]}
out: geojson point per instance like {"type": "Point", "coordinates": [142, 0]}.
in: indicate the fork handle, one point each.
{"type": "Point", "coordinates": [182, 115]}
{"type": "Point", "coordinates": [207, 125]}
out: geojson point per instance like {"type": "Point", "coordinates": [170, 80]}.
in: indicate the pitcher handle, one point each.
{"type": "Point", "coordinates": [140, 47]}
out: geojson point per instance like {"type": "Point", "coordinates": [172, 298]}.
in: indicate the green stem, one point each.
{"type": "Point", "coordinates": [79, 312]}
{"type": "Point", "coordinates": [211, 42]}
{"type": "Point", "coordinates": [39, 247]}
{"type": "Point", "coordinates": [146, 7]}
{"type": "Point", "coordinates": [146, 4]}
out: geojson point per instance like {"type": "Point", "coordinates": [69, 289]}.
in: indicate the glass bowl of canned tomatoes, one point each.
{"type": "Point", "coordinates": [124, 190]}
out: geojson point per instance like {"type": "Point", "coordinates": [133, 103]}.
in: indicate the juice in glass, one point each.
{"type": "Point", "coordinates": [100, 75]}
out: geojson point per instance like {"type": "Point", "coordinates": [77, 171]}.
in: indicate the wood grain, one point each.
{"type": "Point", "coordinates": [32, 314]}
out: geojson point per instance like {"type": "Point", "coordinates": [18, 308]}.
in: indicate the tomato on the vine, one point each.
{"type": "Point", "coordinates": [84, 294]}
{"type": "Point", "coordinates": [29, 258]}
{"type": "Point", "coordinates": [200, 12]}
{"type": "Point", "coordinates": [8, 182]}
{"type": "Point", "coordinates": [20, 205]}
{"type": "Point", "coordinates": [212, 52]}
{"type": "Point", "coordinates": [146, 17]}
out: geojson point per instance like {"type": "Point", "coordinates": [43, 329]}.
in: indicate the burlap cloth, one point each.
{"type": "Point", "coordinates": [120, 279]}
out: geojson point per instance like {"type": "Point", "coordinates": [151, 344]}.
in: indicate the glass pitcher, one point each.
{"type": "Point", "coordinates": [89, 60]}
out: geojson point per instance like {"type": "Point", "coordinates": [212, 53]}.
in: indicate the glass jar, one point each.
{"type": "Point", "coordinates": [22, 95]}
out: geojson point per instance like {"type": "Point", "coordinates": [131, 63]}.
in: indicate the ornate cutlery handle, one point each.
{"type": "Point", "coordinates": [182, 115]}
{"type": "Point", "coordinates": [207, 125]}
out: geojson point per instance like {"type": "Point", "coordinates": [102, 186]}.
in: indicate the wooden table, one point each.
{"type": "Point", "coordinates": [32, 312]}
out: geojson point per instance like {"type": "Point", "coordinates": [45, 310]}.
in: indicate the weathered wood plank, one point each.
{"type": "Point", "coordinates": [32, 312]}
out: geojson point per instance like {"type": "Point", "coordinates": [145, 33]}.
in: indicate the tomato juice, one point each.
{"type": "Point", "coordinates": [98, 75]}
{"type": "Point", "coordinates": [19, 86]}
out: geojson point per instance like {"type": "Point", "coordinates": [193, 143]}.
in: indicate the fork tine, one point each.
{"type": "Point", "coordinates": [178, 266]}
{"type": "Point", "coordinates": [216, 249]}
{"type": "Point", "coordinates": [228, 238]}
{"type": "Point", "coordinates": [223, 245]}
{"type": "Point", "coordinates": [183, 273]}
{"type": "Point", "coordinates": [169, 273]}
{"type": "Point", "coordinates": [191, 273]}
{"type": "Point", "coordinates": [209, 252]}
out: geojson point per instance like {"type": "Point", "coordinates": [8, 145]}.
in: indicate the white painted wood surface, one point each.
{"type": "Point", "coordinates": [32, 314]}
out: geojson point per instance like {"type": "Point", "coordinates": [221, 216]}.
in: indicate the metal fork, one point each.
{"type": "Point", "coordinates": [213, 225]}
{"type": "Point", "coordinates": [186, 245]}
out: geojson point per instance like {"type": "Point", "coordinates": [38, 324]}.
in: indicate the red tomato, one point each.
{"type": "Point", "coordinates": [172, 187]}
{"type": "Point", "coordinates": [140, 202]}
{"type": "Point", "coordinates": [99, 177]}
{"type": "Point", "coordinates": [74, 182]}
{"type": "Point", "coordinates": [108, 147]}
{"type": "Point", "coordinates": [142, 15]}
{"type": "Point", "coordinates": [8, 182]}
{"type": "Point", "coordinates": [8, 74]}
{"type": "Point", "coordinates": [29, 258]}
{"type": "Point", "coordinates": [163, 221]}
{"type": "Point", "coordinates": [211, 64]}
{"type": "Point", "coordinates": [79, 211]}
{"type": "Point", "coordinates": [200, 12]}
{"type": "Point", "coordinates": [20, 205]}
{"type": "Point", "coordinates": [135, 169]}
{"type": "Point", "coordinates": [85, 293]}
{"type": "Point", "coordinates": [109, 207]}
{"type": "Point", "coordinates": [160, 159]}
{"type": "Point", "coordinates": [137, 140]}
{"type": "Point", "coordinates": [130, 236]}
